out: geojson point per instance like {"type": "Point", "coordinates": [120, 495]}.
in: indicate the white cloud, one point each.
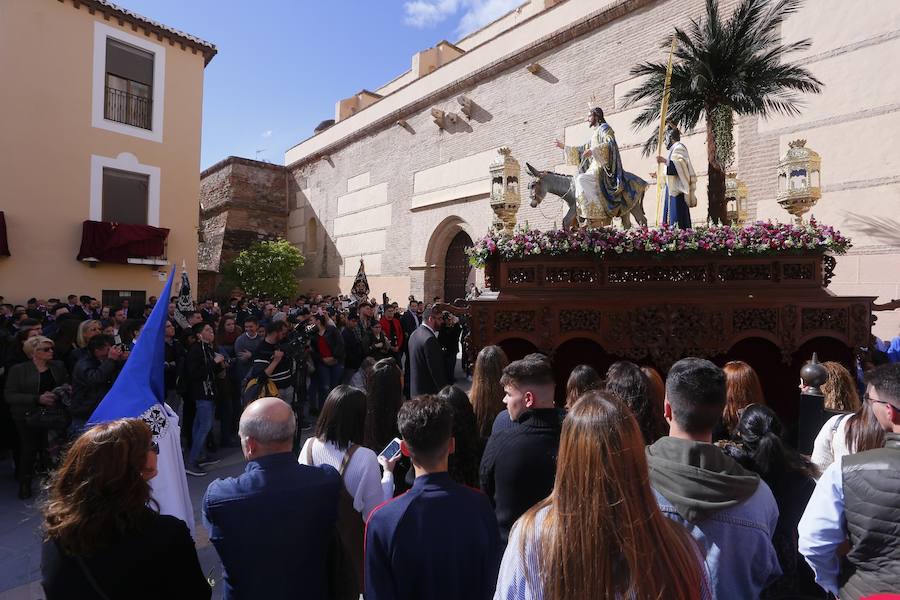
{"type": "Point", "coordinates": [266, 134]}
{"type": "Point", "coordinates": [475, 14]}
{"type": "Point", "coordinates": [428, 13]}
{"type": "Point", "coordinates": [481, 12]}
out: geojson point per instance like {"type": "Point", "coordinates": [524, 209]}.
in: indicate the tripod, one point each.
{"type": "Point", "coordinates": [299, 399]}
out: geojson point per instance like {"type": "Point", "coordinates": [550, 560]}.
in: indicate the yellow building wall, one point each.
{"type": "Point", "coordinates": [46, 144]}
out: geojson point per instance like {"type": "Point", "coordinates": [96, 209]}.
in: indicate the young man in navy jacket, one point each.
{"type": "Point", "coordinates": [439, 540]}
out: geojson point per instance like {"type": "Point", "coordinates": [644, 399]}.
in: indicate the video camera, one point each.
{"type": "Point", "coordinates": [296, 342]}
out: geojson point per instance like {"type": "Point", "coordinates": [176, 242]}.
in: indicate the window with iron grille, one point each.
{"type": "Point", "coordinates": [129, 85]}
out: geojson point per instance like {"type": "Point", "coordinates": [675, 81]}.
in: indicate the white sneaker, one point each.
{"type": "Point", "coordinates": [195, 470]}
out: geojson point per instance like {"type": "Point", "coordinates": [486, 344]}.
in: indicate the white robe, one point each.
{"type": "Point", "coordinates": [169, 488]}
{"type": "Point", "coordinates": [686, 181]}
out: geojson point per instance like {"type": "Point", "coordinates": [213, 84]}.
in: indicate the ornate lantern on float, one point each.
{"type": "Point", "coordinates": [505, 199]}
{"type": "Point", "coordinates": [799, 179]}
{"type": "Point", "coordinates": [735, 199]}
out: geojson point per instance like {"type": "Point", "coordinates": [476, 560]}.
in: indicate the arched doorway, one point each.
{"type": "Point", "coordinates": [457, 270]}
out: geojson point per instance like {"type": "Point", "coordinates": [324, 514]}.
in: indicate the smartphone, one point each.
{"type": "Point", "coordinates": [391, 450]}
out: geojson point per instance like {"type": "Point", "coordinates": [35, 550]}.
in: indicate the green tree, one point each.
{"type": "Point", "coordinates": [267, 269]}
{"type": "Point", "coordinates": [721, 68]}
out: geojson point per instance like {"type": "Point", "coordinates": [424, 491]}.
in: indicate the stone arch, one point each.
{"type": "Point", "coordinates": [436, 253]}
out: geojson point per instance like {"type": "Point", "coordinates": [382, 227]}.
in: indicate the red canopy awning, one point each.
{"type": "Point", "coordinates": [117, 242]}
{"type": "Point", "coordinates": [4, 244]}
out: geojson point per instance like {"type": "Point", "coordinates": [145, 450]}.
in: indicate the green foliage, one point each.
{"type": "Point", "coordinates": [739, 63]}
{"type": "Point", "coordinates": [723, 131]}
{"type": "Point", "coordinates": [267, 269]}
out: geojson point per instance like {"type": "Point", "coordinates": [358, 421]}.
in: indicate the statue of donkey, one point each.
{"type": "Point", "coordinates": [564, 186]}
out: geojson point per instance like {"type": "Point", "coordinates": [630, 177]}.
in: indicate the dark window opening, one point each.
{"type": "Point", "coordinates": [136, 301]}
{"type": "Point", "coordinates": [125, 197]}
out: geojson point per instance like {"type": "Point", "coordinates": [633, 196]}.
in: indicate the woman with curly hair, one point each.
{"type": "Point", "coordinates": [103, 535]}
{"type": "Point", "coordinates": [487, 394]}
{"type": "Point", "coordinates": [839, 388]}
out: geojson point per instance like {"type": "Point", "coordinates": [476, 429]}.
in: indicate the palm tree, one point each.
{"type": "Point", "coordinates": [722, 68]}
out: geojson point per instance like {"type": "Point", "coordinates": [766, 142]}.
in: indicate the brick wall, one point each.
{"type": "Point", "coordinates": [242, 201]}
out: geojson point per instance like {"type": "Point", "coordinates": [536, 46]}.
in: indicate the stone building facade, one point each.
{"type": "Point", "coordinates": [386, 184]}
{"type": "Point", "coordinates": [242, 201]}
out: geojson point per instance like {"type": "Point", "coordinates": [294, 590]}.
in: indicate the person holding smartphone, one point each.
{"type": "Point", "coordinates": [337, 442]}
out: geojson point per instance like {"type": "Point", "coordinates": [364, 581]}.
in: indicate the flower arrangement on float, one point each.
{"type": "Point", "coordinates": [753, 239]}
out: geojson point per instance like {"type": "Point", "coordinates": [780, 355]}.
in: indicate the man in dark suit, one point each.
{"type": "Point", "coordinates": [410, 319]}
{"type": "Point", "coordinates": [453, 522]}
{"type": "Point", "coordinates": [271, 525]}
{"type": "Point", "coordinates": [427, 371]}
{"type": "Point", "coordinates": [83, 310]}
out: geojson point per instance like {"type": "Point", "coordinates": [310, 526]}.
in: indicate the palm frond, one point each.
{"type": "Point", "coordinates": [740, 63]}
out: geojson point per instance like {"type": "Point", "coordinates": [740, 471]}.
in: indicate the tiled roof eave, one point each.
{"type": "Point", "coordinates": [186, 40]}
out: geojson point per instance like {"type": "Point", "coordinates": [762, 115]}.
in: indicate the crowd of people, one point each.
{"type": "Point", "coordinates": [503, 492]}
{"type": "Point", "coordinates": [58, 359]}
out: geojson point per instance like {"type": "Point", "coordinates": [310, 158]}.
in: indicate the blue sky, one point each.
{"type": "Point", "coordinates": [282, 64]}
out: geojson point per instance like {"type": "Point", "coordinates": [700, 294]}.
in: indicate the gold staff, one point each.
{"type": "Point", "coordinates": [663, 109]}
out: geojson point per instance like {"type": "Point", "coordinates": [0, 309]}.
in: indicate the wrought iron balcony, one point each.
{"type": "Point", "coordinates": [129, 109]}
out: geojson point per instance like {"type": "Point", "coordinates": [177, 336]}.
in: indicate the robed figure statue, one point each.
{"type": "Point", "coordinates": [603, 190]}
{"type": "Point", "coordinates": [681, 181]}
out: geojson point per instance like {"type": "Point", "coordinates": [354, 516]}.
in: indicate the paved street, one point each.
{"type": "Point", "coordinates": [20, 545]}
{"type": "Point", "coordinates": [20, 549]}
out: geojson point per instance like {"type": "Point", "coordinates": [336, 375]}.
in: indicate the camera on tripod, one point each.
{"type": "Point", "coordinates": [296, 343]}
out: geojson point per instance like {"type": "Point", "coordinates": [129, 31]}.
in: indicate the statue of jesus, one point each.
{"type": "Point", "coordinates": [603, 190]}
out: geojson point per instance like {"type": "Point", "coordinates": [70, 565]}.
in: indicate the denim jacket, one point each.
{"type": "Point", "coordinates": [736, 539]}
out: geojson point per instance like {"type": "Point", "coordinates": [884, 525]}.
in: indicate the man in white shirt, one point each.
{"type": "Point", "coordinates": [857, 500]}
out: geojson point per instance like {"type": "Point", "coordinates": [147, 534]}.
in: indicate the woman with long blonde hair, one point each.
{"type": "Point", "coordinates": [487, 394]}
{"type": "Point", "coordinates": [87, 330]}
{"type": "Point", "coordinates": [600, 533]}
